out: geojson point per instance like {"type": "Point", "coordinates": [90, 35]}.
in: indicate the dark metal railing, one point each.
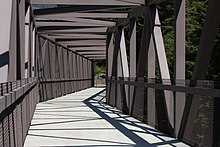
{"type": "Point", "coordinates": [203, 87]}
{"type": "Point", "coordinates": [52, 88]}
{"type": "Point", "coordinates": [159, 104]}
{"type": "Point", "coordinates": [62, 80]}
{"type": "Point", "coordinates": [17, 104]}
{"type": "Point", "coordinates": [8, 87]}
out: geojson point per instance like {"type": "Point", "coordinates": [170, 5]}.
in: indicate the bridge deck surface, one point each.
{"type": "Point", "coordinates": [82, 119]}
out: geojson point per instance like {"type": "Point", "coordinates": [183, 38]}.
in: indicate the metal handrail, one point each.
{"type": "Point", "coordinates": [203, 87]}
{"type": "Point", "coordinates": [8, 87]}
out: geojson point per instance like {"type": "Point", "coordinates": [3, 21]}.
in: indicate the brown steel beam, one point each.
{"type": "Point", "coordinates": [92, 53]}
{"type": "Point", "coordinates": [132, 57]}
{"type": "Point", "coordinates": [66, 23]}
{"type": "Point", "coordinates": [61, 46]}
{"type": "Point", "coordinates": [86, 15]}
{"type": "Point", "coordinates": [88, 48]}
{"type": "Point", "coordinates": [76, 36]}
{"type": "Point", "coordinates": [142, 2]}
{"type": "Point", "coordinates": [134, 13]}
{"type": "Point", "coordinates": [51, 30]}
{"type": "Point", "coordinates": [183, 89]}
{"type": "Point", "coordinates": [79, 20]}
{"type": "Point", "coordinates": [84, 2]}
{"type": "Point", "coordinates": [179, 40]}
{"type": "Point", "coordinates": [203, 58]}
{"type": "Point", "coordinates": [78, 8]}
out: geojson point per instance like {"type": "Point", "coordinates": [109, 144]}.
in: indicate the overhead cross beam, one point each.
{"type": "Point", "coordinates": [84, 42]}
{"type": "Point", "coordinates": [136, 11]}
{"type": "Point", "coordinates": [78, 8]}
{"type": "Point", "coordinates": [79, 20]}
{"type": "Point", "coordinates": [93, 53]}
{"type": "Point", "coordinates": [86, 15]}
{"type": "Point", "coordinates": [77, 36]}
{"type": "Point", "coordinates": [51, 30]}
{"type": "Point", "coordinates": [95, 56]}
{"type": "Point", "coordinates": [133, 1]}
{"type": "Point", "coordinates": [78, 49]}
{"type": "Point", "coordinates": [85, 2]}
{"type": "Point", "coordinates": [66, 23]}
{"type": "Point", "coordinates": [82, 46]}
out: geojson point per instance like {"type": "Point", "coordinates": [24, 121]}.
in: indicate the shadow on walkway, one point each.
{"type": "Point", "coordinates": [83, 119]}
{"type": "Point", "coordinates": [100, 98]}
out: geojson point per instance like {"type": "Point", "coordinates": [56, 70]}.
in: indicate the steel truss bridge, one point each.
{"type": "Point", "coordinates": [49, 52]}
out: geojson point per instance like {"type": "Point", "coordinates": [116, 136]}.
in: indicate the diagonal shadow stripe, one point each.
{"type": "Point", "coordinates": [82, 139]}
{"type": "Point", "coordinates": [131, 135]}
{"type": "Point", "coordinates": [61, 122]}
{"type": "Point", "coordinates": [139, 141]}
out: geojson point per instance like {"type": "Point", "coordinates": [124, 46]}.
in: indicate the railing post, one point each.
{"type": "Point", "coordinates": [7, 87]}
{"type": "Point", "coordinates": [11, 86]}
{"type": "Point", "coordinates": [1, 89]}
{"type": "Point", "coordinates": [93, 80]}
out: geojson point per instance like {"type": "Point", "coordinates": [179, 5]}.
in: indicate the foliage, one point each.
{"type": "Point", "coordinates": [195, 16]}
{"type": "Point", "coordinates": [98, 69]}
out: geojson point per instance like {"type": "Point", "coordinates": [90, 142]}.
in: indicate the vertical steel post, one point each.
{"type": "Point", "coordinates": [151, 102]}
{"type": "Point", "coordinates": [163, 65]}
{"type": "Point", "coordinates": [144, 47]}
{"type": "Point", "coordinates": [115, 65]}
{"type": "Point", "coordinates": [109, 56]}
{"type": "Point", "coordinates": [74, 72]}
{"type": "Point", "coordinates": [80, 71]}
{"type": "Point", "coordinates": [33, 66]}
{"type": "Point", "coordinates": [31, 49]}
{"type": "Point", "coordinates": [202, 59]}
{"type": "Point", "coordinates": [118, 102]}
{"type": "Point", "coordinates": [124, 65]}
{"type": "Point", "coordinates": [27, 43]}
{"type": "Point", "coordinates": [92, 73]}
{"type": "Point", "coordinates": [21, 43]}
{"type": "Point", "coordinates": [71, 70]}
{"type": "Point", "coordinates": [132, 55]}
{"type": "Point", "coordinates": [179, 40]}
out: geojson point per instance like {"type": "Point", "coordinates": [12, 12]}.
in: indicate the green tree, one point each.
{"type": "Point", "coordinates": [99, 68]}
{"type": "Point", "coordinates": [195, 16]}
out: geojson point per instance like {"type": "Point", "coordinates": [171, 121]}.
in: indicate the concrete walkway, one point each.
{"type": "Point", "coordinates": [82, 119]}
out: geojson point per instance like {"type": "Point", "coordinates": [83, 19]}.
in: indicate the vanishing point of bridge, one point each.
{"type": "Point", "coordinates": [46, 75]}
